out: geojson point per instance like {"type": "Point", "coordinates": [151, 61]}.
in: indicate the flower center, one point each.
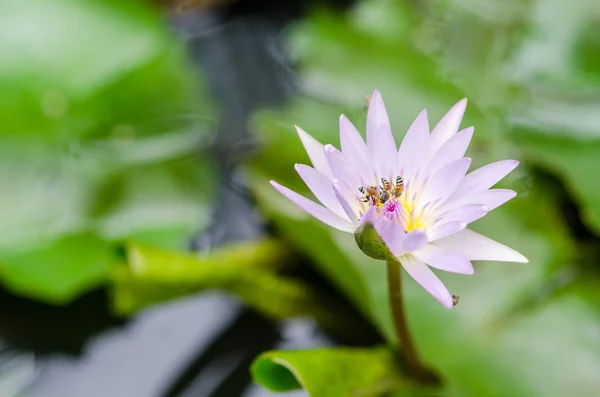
{"type": "Point", "coordinates": [379, 195]}
{"type": "Point", "coordinates": [391, 206]}
{"type": "Point", "coordinates": [390, 203]}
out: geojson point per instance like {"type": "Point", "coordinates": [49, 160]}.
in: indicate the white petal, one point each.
{"type": "Point", "coordinates": [487, 176]}
{"type": "Point", "coordinates": [446, 229]}
{"type": "Point", "coordinates": [314, 149]}
{"type": "Point", "coordinates": [376, 116]}
{"type": "Point", "coordinates": [316, 210]}
{"type": "Point", "coordinates": [491, 199]}
{"type": "Point", "coordinates": [480, 248]}
{"type": "Point", "coordinates": [445, 259]}
{"type": "Point", "coordinates": [341, 168]}
{"type": "Point", "coordinates": [447, 126]}
{"type": "Point", "coordinates": [443, 183]}
{"type": "Point", "coordinates": [370, 216]}
{"type": "Point", "coordinates": [343, 201]}
{"type": "Point", "coordinates": [454, 149]}
{"type": "Point", "coordinates": [414, 240]}
{"type": "Point", "coordinates": [353, 145]}
{"type": "Point", "coordinates": [355, 150]}
{"type": "Point", "coordinates": [425, 277]}
{"type": "Point", "coordinates": [465, 213]}
{"type": "Point", "coordinates": [380, 140]}
{"type": "Point", "coordinates": [414, 149]}
{"type": "Point", "coordinates": [321, 187]}
{"type": "Point", "coordinates": [392, 233]}
{"type": "Point", "coordinates": [494, 198]}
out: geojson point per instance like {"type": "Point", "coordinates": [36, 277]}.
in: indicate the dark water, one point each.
{"type": "Point", "coordinates": [199, 346]}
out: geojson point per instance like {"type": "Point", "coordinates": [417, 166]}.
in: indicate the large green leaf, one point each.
{"type": "Point", "coordinates": [161, 203]}
{"type": "Point", "coordinates": [67, 81]}
{"type": "Point", "coordinates": [98, 132]}
{"type": "Point", "coordinates": [57, 272]}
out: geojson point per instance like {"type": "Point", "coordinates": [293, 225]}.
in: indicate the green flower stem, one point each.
{"type": "Point", "coordinates": [408, 350]}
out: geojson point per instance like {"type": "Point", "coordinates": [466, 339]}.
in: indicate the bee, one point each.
{"type": "Point", "coordinates": [385, 191]}
{"type": "Point", "coordinates": [399, 187]}
{"type": "Point", "coordinates": [367, 103]}
{"type": "Point", "coordinates": [455, 300]}
{"type": "Point", "coordinates": [385, 184]}
{"type": "Point", "coordinates": [371, 193]}
{"type": "Point", "coordinates": [362, 191]}
{"type": "Point", "coordinates": [385, 196]}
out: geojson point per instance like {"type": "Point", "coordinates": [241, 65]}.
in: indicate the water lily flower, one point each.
{"type": "Point", "coordinates": [418, 198]}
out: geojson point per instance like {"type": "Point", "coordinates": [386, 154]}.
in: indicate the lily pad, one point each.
{"type": "Point", "coordinates": [152, 275]}
{"type": "Point", "coordinates": [81, 154]}
{"type": "Point", "coordinates": [331, 372]}
{"type": "Point", "coordinates": [59, 271]}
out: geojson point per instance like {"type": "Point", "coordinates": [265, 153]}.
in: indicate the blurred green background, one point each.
{"type": "Point", "coordinates": [104, 178]}
{"type": "Point", "coordinates": [98, 141]}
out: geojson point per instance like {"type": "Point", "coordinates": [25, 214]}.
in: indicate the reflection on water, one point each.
{"type": "Point", "coordinates": [146, 356]}
{"type": "Point", "coordinates": [17, 371]}
{"type": "Point", "coordinates": [141, 358]}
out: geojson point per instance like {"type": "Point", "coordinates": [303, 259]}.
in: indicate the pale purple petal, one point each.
{"type": "Point", "coordinates": [454, 149]}
{"type": "Point", "coordinates": [480, 248]}
{"type": "Point", "coordinates": [447, 126]}
{"type": "Point", "coordinates": [316, 210]}
{"type": "Point", "coordinates": [392, 233]}
{"type": "Point", "coordinates": [338, 189]}
{"type": "Point", "coordinates": [427, 279]}
{"type": "Point", "coordinates": [384, 153]}
{"type": "Point", "coordinates": [414, 149]}
{"type": "Point", "coordinates": [441, 185]}
{"type": "Point", "coordinates": [446, 259]}
{"type": "Point", "coordinates": [380, 140]}
{"type": "Point", "coordinates": [370, 216]}
{"type": "Point", "coordinates": [446, 229]}
{"type": "Point", "coordinates": [491, 199]}
{"type": "Point", "coordinates": [314, 149]}
{"type": "Point", "coordinates": [341, 168]}
{"type": "Point", "coordinates": [321, 187]}
{"type": "Point", "coordinates": [414, 240]}
{"type": "Point", "coordinates": [487, 176]}
{"type": "Point", "coordinates": [376, 116]}
{"type": "Point", "coordinates": [465, 213]}
{"type": "Point", "coordinates": [355, 149]}
{"type": "Point", "coordinates": [494, 198]}
{"type": "Point", "coordinates": [353, 145]}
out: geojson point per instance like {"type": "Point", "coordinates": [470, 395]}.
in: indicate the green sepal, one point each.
{"type": "Point", "coordinates": [371, 243]}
